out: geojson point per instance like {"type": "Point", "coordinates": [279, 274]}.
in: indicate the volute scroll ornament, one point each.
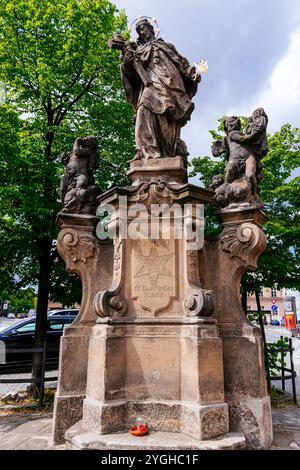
{"type": "Point", "coordinates": [77, 246]}
{"type": "Point", "coordinates": [109, 303]}
{"type": "Point", "coordinates": [198, 303]}
{"type": "Point", "coordinates": [242, 240]}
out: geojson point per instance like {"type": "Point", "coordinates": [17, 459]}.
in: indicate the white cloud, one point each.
{"type": "Point", "coordinates": [281, 94]}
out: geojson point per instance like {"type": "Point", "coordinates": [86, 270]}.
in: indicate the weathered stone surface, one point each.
{"type": "Point", "coordinates": [67, 411]}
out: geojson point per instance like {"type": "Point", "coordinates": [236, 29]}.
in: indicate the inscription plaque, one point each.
{"type": "Point", "coordinates": [154, 274]}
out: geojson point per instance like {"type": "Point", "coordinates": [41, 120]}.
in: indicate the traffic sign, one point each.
{"type": "Point", "coordinates": [274, 308]}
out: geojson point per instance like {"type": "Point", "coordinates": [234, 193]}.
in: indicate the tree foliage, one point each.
{"type": "Point", "coordinates": [61, 81]}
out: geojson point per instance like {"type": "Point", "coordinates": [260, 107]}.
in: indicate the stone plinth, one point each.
{"type": "Point", "coordinates": [171, 170]}
{"type": "Point", "coordinates": [170, 373]}
{"type": "Point", "coordinates": [79, 439]}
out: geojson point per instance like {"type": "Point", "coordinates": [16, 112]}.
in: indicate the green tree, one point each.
{"type": "Point", "coordinates": [23, 300]}
{"type": "Point", "coordinates": [63, 81]}
{"type": "Point", "coordinates": [279, 190]}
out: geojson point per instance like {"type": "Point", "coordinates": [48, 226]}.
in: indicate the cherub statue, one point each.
{"type": "Point", "coordinates": [78, 189]}
{"type": "Point", "coordinates": [243, 168]}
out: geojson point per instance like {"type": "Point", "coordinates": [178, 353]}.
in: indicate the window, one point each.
{"type": "Point", "coordinates": [262, 307]}
{"type": "Point", "coordinates": [55, 325]}
{"type": "Point", "coordinates": [28, 328]}
{"type": "Point", "coordinates": [248, 307]}
{"type": "Point", "coordinates": [273, 292]}
{"type": "Point", "coordinates": [261, 292]}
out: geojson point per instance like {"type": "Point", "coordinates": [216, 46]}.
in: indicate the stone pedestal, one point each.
{"type": "Point", "coordinates": [81, 251]}
{"type": "Point", "coordinates": [171, 170]}
{"type": "Point", "coordinates": [169, 373]}
{"type": "Point", "coordinates": [235, 251]}
{"type": "Point", "coordinates": [168, 339]}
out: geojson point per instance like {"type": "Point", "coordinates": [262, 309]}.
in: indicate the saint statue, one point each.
{"type": "Point", "coordinates": [160, 84]}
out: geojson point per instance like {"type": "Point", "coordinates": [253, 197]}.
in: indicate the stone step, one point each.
{"type": "Point", "coordinates": [78, 439]}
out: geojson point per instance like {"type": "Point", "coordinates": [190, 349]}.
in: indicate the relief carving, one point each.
{"type": "Point", "coordinates": [78, 246]}
{"type": "Point", "coordinates": [239, 240]}
{"type": "Point", "coordinates": [154, 274]}
{"type": "Point", "coordinates": [154, 191]}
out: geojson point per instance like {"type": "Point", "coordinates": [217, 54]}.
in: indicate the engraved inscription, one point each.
{"type": "Point", "coordinates": [154, 275]}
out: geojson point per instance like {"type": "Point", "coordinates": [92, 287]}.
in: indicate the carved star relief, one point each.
{"type": "Point", "coordinates": [154, 265]}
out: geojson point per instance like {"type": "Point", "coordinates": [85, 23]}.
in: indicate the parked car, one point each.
{"type": "Point", "coordinates": [296, 331]}
{"type": "Point", "coordinates": [31, 313]}
{"type": "Point", "coordinates": [64, 312]}
{"type": "Point", "coordinates": [20, 335]}
{"type": "Point", "coordinates": [275, 322]}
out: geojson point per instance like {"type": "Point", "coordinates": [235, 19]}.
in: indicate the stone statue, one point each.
{"type": "Point", "coordinates": [78, 190]}
{"type": "Point", "coordinates": [243, 168]}
{"type": "Point", "coordinates": [160, 84]}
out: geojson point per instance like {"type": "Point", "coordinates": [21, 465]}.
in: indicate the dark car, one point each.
{"type": "Point", "coordinates": [20, 335]}
{"type": "Point", "coordinates": [72, 312]}
{"type": "Point", "coordinates": [296, 331]}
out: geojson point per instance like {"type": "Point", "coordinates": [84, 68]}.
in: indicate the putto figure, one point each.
{"type": "Point", "coordinates": [78, 189]}
{"type": "Point", "coordinates": [243, 169]}
{"type": "Point", "coordinates": [160, 84]}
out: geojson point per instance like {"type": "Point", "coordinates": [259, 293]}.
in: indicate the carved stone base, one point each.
{"type": "Point", "coordinates": [171, 170]}
{"type": "Point", "coordinates": [171, 374]}
{"type": "Point", "coordinates": [67, 411]}
{"type": "Point", "coordinates": [253, 417]}
{"type": "Point", "coordinates": [71, 381]}
{"type": "Point", "coordinates": [78, 438]}
{"type": "Point", "coordinates": [201, 422]}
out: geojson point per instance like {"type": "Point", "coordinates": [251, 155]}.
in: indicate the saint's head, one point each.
{"type": "Point", "coordinates": [145, 31]}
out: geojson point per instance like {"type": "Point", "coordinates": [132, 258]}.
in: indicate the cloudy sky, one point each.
{"type": "Point", "coordinates": [253, 51]}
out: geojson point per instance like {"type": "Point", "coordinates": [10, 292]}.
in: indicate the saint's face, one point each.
{"type": "Point", "coordinates": [145, 32]}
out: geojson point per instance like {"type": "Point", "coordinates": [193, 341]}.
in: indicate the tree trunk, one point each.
{"type": "Point", "coordinates": [244, 301]}
{"type": "Point", "coordinates": [45, 264]}
{"type": "Point", "coordinates": [263, 334]}
{"type": "Point", "coordinates": [260, 319]}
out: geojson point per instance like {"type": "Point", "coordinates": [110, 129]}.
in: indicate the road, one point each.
{"type": "Point", "coordinates": [4, 322]}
